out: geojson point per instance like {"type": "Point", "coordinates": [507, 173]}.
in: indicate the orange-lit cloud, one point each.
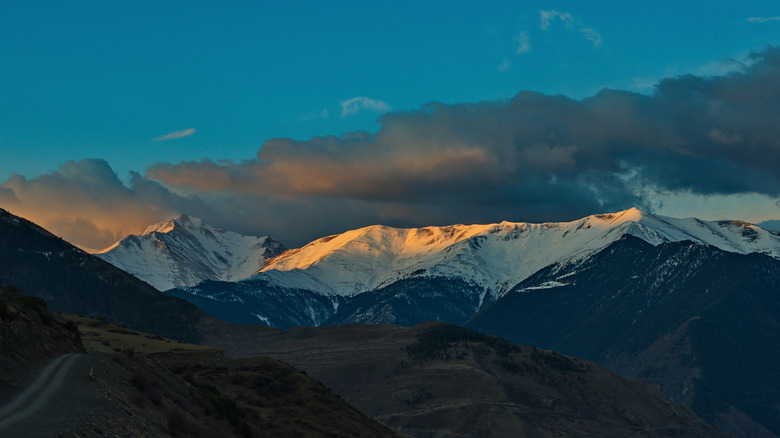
{"type": "Point", "coordinates": [533, 158]}
{"type": "Point", "coordinates": [607, 150]}
{"type": "Point", "coordinates": [84, 202]}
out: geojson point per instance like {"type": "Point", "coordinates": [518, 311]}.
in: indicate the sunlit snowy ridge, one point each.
{"type": "Point", "coordinates": [496, 256]}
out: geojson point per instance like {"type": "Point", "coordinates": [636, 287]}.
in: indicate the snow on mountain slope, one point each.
{"type": "Point", "coordinates": [185, 251]}
{"type": "Point", "coordinates": [495, 257]}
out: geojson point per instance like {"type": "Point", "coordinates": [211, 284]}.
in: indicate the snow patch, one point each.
{"type": "Point", "coordinates": [262, 318]}
{"type": "Point", "coordinates": [545, 285]}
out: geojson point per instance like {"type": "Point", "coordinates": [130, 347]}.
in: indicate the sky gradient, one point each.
{"type": "Point", "coordinates": [303, 119]}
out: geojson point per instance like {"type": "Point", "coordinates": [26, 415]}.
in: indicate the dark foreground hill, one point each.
{"type": "Point", "coordinates": [436, 380]}
{"type": "Point", "coordinates": [701, 323]}
{"type": "Point", "coordinates": [71, 280]}
{"type": "Point", "coordinates": [137, 384]}
{"type": "Point", "coordinates": [30, 334]}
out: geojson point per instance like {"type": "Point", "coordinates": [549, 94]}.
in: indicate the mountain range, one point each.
{"type": "Point", "coordinates": [381, 274]}
{"type": "Point", "coordinates": [430, 380]}
{"type": "Point", "coordinates": [687, 304]}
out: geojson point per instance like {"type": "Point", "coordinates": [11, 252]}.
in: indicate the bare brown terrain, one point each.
{"type": "Point", "coordinates": [439, 384]}
{"type": "Point", "coordinates": [189, 390]}
{"type": "Point", "coordinates": [132, 383]}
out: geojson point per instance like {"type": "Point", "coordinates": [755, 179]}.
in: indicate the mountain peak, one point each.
{"type": "Point", "coordinates": [183, 220]}
{"type": "Point", "coordinates": [186, 250]}
{"type": "Point", "coordinates": [632, 214]}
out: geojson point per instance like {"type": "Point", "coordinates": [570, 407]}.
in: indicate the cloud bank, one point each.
{"type": "Point", "coordinates": [85, 203]}
{"type": "Point", "coordinates": [530, 158]}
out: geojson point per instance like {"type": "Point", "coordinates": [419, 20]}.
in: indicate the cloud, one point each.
{"type": "Point", "coordinates": [724, 138]}
{"type": "Point", "coordinates": [530, 158]}
{"type": "Point", "coordinates": [175, 134]}
{"type": "Point", "coordinates": [85, 202]}
{"type": "Point", "coordinates": [547, 17]}
{"type": "Point", "coordinates": [505, 64]}
{"type": "Point", "coordinates": [522, 43]}
{"type": "Point", "coordinates": [522, 157]}
{"type": "Point", "coordinates": [592, 36]}
{"type": "Point", "coordinates": [762, 19]}
{"type": "Point", "coordinates": [357, 104]}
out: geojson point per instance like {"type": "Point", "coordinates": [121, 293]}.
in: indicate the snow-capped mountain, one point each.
{"type": "Point", "coordinates": [186, 250]}
{"type": "Point", "coordinates": [381, 274]}
{"type": "Point", "coordinates": [494, 257]}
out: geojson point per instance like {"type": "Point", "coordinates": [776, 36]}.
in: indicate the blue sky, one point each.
{"type": "Point", "coordinates": [143, 86]}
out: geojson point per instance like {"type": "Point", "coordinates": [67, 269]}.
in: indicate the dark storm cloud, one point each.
{"type": "Point", "coordinates": [705, 135]}
{"type": "Point", "coordinates": [530, 158]}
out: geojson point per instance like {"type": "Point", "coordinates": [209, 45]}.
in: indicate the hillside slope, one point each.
{"type": "Point", "coordinates": [137, 384]}
{"type": "Point", "coordinates": [700, 322]}
{"type": "Point", "coordinates": [436, 380]}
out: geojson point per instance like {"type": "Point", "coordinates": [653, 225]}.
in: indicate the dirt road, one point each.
{"type": "Point", "coordinates": [57, 396]}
